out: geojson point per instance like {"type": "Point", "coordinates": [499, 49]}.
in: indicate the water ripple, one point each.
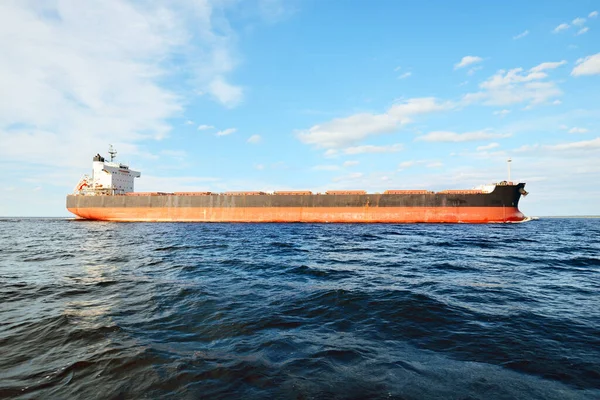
{"type": "Point", "coordinates": [140, 310]}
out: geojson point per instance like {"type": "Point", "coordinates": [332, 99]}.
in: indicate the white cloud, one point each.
{"type": "Point", "coordinates": [561, 27]}
{"type": "Point", "coordinates": [342, 132]}
{"type": "Point", "coordinates": [557, 102]}
{"type": "Point", "coordinates": [398, 68]}
{"type": "Point", "coordinates": [578, 21]}
{"type": "Point", "coordinates": [228, 94]}
{"type": "Point", "coordinates": [75, 76]}
{"type": "Point", "coordinates": [471, 71]}
{"type": "Point", "coordinates": [406, 164]}
{"type": "Point", "coordinates": [412, 163]}
{"type": "Point", "coordinates": [405, 75]}
{"type": "Point", "coordinates": [393, 148]}
{"type": "Point", "coordinates": [254, 139]}
{"type": "Point", "coordinates": [350, 177]}
{"type": "Point", "coordinates": [583, 145]}
{"type": "Point", "coordinates": [259, 167]}
{"type": "Point", "coordinates": [81, 86]}
{"type": "Point", "coordinates": [350, 163]}
{"type": "Point", "coordinates": [514, 76]}
{"type": "Point", "coordinates": [174, 153]}
{"type": "Point", "coordinates": [502, 113]}
{"type": "Point", "coordinates": [467, 60]}
{"type": "Point", "coordinates": [583, 30]}
{"type": "Point", "coordinates": [274, 10]}
{"type": "Point", "coordinates": [326, 168]}
{"type": "Point", "coordinates": [593, 14]}
{"type": "Point", "coordinates": [587, 66]}
{"type": "Point", "coordinates": [205, 127]}
{"type": "Point", "coordinates": [435, 165]}
{"type": "Point", "coordinates": [226, 132]}
{"type": "Point", "coordinates": [447, 136]}
{"type": "Point", "coordinates": [331, 153]}
{"type": "Point", "coordinates": [548, 65]}
{"type": "Point", "coordinates": [488, 147]}
{"type": "Point", "coordinates": [578, 130]}
{"type": "Point", "coordinates": [517, 86]}
{"type": "Point", "coordinates": [189, 122]}
{"type": "Point", "coordinates": [521, 35]}
{"type": "Point", "coordinates": [526, 148]}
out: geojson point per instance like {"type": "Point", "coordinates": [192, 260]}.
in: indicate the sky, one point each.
{"type": "Point", "coordinates": [225, 95]}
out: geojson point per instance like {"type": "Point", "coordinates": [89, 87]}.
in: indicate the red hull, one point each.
{"type": "Point", "coordinates": [304, 214]}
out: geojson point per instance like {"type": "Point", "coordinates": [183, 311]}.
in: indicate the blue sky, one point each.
{"type": "Point", "coordinates": [274, 95]}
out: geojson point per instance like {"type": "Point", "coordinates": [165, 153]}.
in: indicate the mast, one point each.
{"type": "Point", "coordinates": [508, 164]}
{"type": "Point", "coordinates": [112, 152]}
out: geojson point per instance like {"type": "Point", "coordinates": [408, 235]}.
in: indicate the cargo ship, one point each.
{"type": "Point", "coordinates": [108, 195]}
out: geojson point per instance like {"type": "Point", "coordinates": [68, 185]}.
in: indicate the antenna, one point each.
{"type": "Point", "coordinates": [508, 163]}
{"type": "Point", "coordinates": [113, 152]}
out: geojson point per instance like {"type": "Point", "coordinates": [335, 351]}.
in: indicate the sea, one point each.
{"type": "Point", "coordinates": [100, 310]}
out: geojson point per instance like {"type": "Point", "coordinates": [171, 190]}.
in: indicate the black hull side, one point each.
{"type": "Point", "coordinates": [501, 196]}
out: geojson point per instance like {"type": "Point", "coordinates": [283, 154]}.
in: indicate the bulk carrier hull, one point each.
{"type": "Point", "coordinates": [469, 206]}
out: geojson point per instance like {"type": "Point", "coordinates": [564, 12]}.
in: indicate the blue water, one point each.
{"type": "Point", "coordinates": [304, 311]}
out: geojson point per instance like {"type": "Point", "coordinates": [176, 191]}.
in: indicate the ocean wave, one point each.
{"type": "Point", "coordinates": [92, 310]}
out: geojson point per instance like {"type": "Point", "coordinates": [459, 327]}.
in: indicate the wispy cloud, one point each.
{"type": "Point", "coordinates": [578, 130]}
{"type": "Point", "coordinates": [488, 147]}
{"type": "Point", "coordinates": [405, 75]}
{"type": "Point", "coordinates": [590, 145]}
{"type": "Point", "coordinates": [174, 153]}
{"type": "Point", "coordinates": [205, 127]}
{"type": "Point", "coordinates": [502, 113]}
{"type": "Point", "coordinates": [226, 132]}
{"type": "Point", "coordinates": [447, 136]}
{"type": "Point", "coordinates": [562, 27]}
{"type": "Point", "coordinates": [593, 14]}
{"type": "Point", "coordinates": [521, 35]}
{"type": "Point", "coordinates": [548, 65]}
{"type": "Point", "coordinates": [350, 177]}
{"type": "Point", "coordinates": [578, 21]}
{"type": "Point", "coordinates": [436, 164]}
{"type": "Point", "coordinates": [343, 132]}
{"type": "Point", "coordinates": [467, 60]}
{"type": "Point", "coordinates": [472, 71]}
{"type": "Point", "coordinates": [228, 94]}
{"type": "Point", "coordinates": [326, 168]}
{"type": "Point", "coordinates": [274, 10]}
{"type": "Point", "coordinates": [589, 65]}
{"type": "Point", "coordinates": [582, 30]}
{"type": "Point", "coordinates": [406, 164]}
{"type": "Point", "coordinates": [393, 148]}
{"type": "Point", "coordinates": [254, 139]}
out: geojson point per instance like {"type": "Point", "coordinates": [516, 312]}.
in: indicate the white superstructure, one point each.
{"type": "Point", "coordinates": [108, 177]}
